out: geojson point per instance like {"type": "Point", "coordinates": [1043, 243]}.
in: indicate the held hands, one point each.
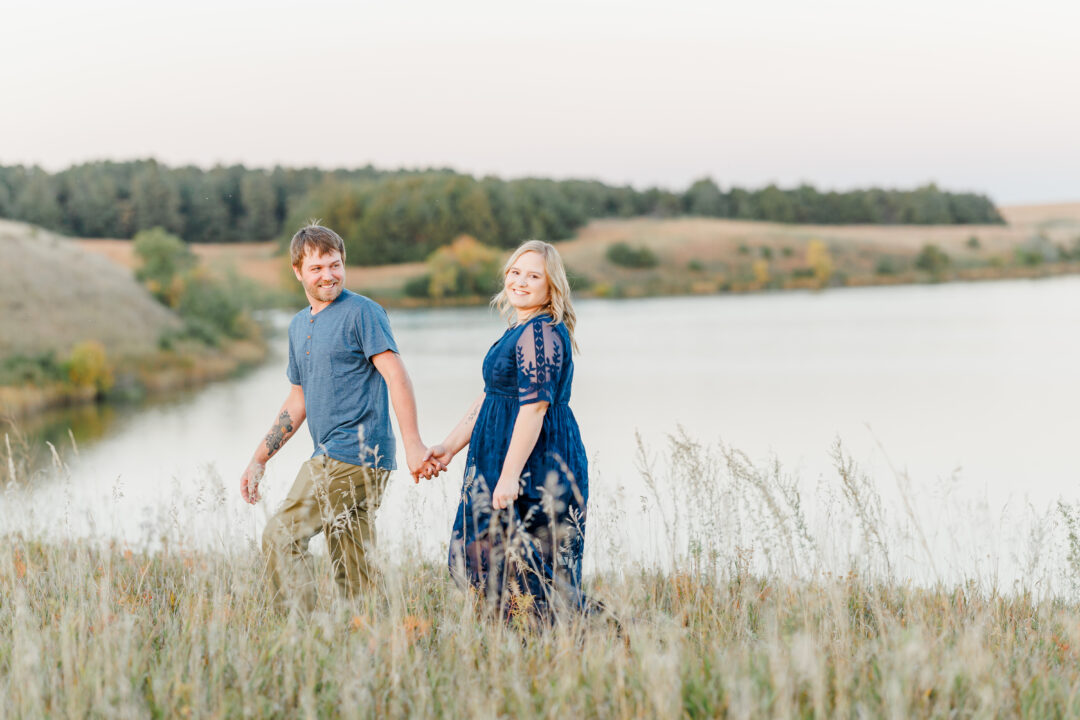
{"type": "Point", "coordinates": [426, 462]}
{"type": "Point", "coordinates": [435, 461]}
{"type": "Point", "coordinates": [249, 481]}
{"type": "Point", "coordinates": [506, 492]}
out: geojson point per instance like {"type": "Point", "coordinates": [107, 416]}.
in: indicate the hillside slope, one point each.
{"type": "Point", "coordinates": [54, 294]}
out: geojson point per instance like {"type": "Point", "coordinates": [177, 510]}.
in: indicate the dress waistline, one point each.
{"type": "Point", "coordinates": [514, 396]}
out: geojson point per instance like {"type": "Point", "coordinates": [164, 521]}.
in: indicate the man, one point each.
{"type": "Point", "coordinates": [342, 364]}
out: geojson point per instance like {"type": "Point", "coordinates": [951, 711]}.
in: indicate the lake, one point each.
{"type": "Point", "coordinates": [959, 402]}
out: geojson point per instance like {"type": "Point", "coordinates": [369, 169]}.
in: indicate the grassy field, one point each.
{"type": "Point", "coordinates": [706, 255]}
{"type": "Point", "coordinates": [112, 633]}
{"type": "Point", "coordinates": [94, 628]}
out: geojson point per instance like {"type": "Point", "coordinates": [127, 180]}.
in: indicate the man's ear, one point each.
{"type": "Point", "coordinates": [296, 272]}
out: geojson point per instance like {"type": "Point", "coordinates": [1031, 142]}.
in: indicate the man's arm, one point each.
{"type": "Point", "coordinates": [289, 419]}
{"type": "Point", "coordinates": [389, 365]}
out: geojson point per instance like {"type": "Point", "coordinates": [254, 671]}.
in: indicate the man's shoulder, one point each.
{"type": "Point", "coordinates": [355, 302]}
{"type": "Point", "coordinates": [299, 317]}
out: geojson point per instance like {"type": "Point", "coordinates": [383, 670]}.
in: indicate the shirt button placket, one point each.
{"type": "Point", "coordinates": [309, 342]}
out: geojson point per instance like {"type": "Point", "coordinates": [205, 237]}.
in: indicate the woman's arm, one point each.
{"type": "Point", "coordinates": [530, 420]}
{"type": "Point", "coordinates": [458, 437]}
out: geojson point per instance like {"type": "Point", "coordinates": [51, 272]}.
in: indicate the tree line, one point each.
{"type": "Point", "coordinates": [121, 199]}
{"type": "Point", "coordinates": [392, 216]}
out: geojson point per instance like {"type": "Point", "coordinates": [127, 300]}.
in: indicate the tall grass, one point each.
{"type": "Point", "coordinates": [746, 615]}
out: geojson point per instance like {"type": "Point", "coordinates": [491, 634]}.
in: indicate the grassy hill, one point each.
{"type": "Point", "coordinates": [78, 327]}
{"type": "Point", "coordinates": [55, 295]}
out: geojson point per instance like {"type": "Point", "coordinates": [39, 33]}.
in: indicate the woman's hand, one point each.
{"type": "Point", "coordinates": [435, 461]}
{"type": "Point", "coordinates": [506, 492]}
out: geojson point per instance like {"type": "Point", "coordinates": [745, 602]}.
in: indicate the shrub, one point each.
{"type": "Point", "coordinates": [464, 267]}
{"type": "Point", "coordinates": [578, 281]}
{"type": "Point", "coordinates": [88, 366]}
{"type": "Point", "coordinates": [886, 266]}
{"type": "Point", "coordinates": [760, 269]}
{"type": "Point", "coordinates": [163, 258]}
{"type": "Point", "coordinates": [219, 304]}
{"type": "Point", "coordinates": [632, 257]}
{"type": "Point", "coordinates": [418, 287]}
{"type": "Point", "coordinates": [695, 266]}
{"type": "Point", "coordinates": [1029, 257]}
{"type": "Point", "coordinates": [1037, 250]}
{"type": "Point", "coordinates": [31, 369]}
{"type": "Point", "coordinates": [973, 242]}
{"type": "Point", "coordinates": [820, 261]}
{"type": "Point", "coordinates": [933, 260]}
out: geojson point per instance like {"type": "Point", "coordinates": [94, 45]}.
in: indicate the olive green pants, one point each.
{"type": "Point", "coordinates": [338, 499]}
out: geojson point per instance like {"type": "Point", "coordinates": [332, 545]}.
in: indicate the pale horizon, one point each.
{"type": "Point", "coordinates": [974, 97]}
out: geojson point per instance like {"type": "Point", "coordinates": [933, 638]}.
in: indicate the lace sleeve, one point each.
{"type": "Point", "coordinates": [539, 362]}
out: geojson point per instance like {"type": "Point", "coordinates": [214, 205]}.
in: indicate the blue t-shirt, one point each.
{"type": "Point", "coordinates": [347, 403]}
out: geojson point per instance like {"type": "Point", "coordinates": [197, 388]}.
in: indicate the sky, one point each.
{"type": "Point", "coordinates": [975, 95]}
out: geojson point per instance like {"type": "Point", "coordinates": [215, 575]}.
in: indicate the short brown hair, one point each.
{"type": "Point", "coordinates": [317, 239]}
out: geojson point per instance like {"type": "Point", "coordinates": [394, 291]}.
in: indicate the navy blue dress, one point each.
{"type": "Point", "coordinates": [532, 554]}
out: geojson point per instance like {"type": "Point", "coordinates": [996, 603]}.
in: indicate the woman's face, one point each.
{"type": "Point", "coordinates": [526, 283]}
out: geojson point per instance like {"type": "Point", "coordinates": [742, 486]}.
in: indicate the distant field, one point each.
{"type": "Point", "coordinates": [721, 251]}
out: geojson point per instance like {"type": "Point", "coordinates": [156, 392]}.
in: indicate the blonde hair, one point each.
{"type": "Point", "coordinates": [558, 304]}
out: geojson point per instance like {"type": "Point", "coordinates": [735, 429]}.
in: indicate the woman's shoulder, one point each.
{"type": "Point", "coordinates": [540, 323]}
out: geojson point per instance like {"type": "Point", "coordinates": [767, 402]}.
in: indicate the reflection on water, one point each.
{"type": "Point", "coordinates": [69, 428]}
{"type": "Point", "coordinates": [964, 394]}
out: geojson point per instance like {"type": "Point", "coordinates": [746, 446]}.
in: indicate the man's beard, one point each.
{"type": "Point", "coordinates": [325, 294]}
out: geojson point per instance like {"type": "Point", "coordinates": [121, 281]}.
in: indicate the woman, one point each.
{"type": "Point", "coordinates": [519, 530]}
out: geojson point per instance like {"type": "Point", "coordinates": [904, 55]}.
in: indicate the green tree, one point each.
{"type": "Point", "coordinates": [37, 202]}
{"type": "Point", "coordinates": [92, 209]}
{"type": "Point", "coordinates": [6, 201]}
{"type": "Point", "coordinates": [705, 198]}
{"type": "Point", "coordinates": [773, 204]}
{"type": "Point", "coordinates": [155, 199]}
{"type": "Point", "coordinates": [163, 260]}
{"type": "Point", "coordinates": [260, 206]}
{"type": "Point", "coordinates": [202, 204]}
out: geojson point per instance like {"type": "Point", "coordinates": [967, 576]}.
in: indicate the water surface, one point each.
{"type": "Point", "coordinates": [972, 390]}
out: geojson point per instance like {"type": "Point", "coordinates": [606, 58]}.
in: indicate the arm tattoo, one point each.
{"type": "Point", "coordinates": [279, 433]}
{"type": "Point", "coordinates": [473, 412]}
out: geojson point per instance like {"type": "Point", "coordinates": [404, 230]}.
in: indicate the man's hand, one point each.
{"type": "Point", "coordinates": [249, 481]}
{"type": "Point", "coordinates": [506, 492]}
{"type": "Point", "coordinates": [417, 457]}
{"type": "Point", "coordinates": [436, 460]}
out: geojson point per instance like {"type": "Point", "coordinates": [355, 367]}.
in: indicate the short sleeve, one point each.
{"type": "Point", "coordinates": [373, 330]}
{"type": "Point", "coordinates": [539, 362]}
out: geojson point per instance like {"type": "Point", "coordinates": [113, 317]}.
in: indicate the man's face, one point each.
{"type": "Point", "coordinates": [323, 277]}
